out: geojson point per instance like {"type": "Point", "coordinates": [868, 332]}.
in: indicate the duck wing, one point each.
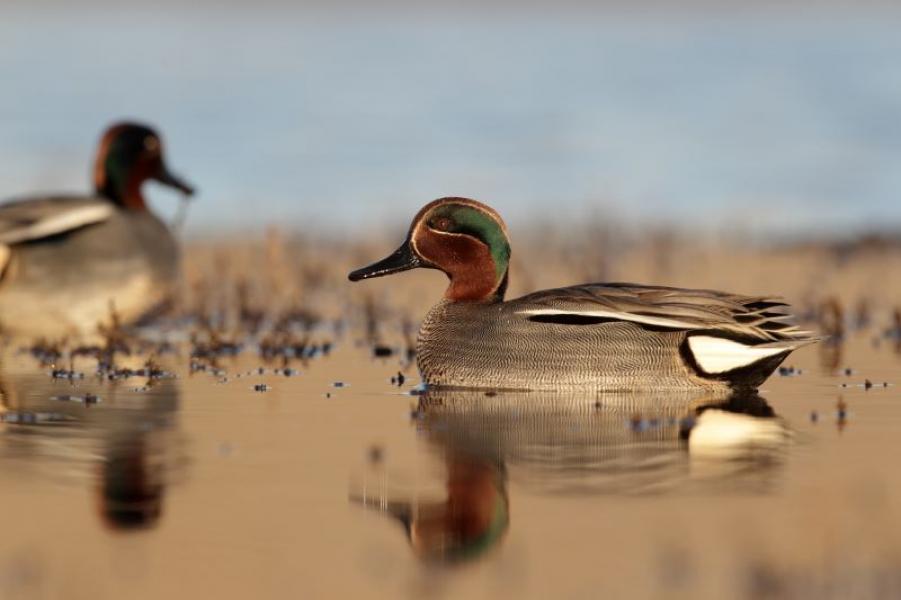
{"type": "Point", "coordinates": [720, 318]}
{"type": "Point", "coordinates": [36, 218]}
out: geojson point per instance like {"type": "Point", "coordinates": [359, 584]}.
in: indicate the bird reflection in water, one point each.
{"type": "Point", "coordinates": [470, 521]}
{"type": "Point", "coordinates": [131, 485]}
{"type": "Point", "coordinates": [573, 445]}
{"type": "Point", "coordinates": [132, 432]}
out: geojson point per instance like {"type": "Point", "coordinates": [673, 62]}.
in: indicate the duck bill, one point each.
{"type": "Point", "coordinates": [164, 176]}
{"type": "Point", "coordinates": [402, 259]}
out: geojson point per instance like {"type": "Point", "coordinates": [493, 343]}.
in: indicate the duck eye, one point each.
{"type": "Point", "coordinates": [151, 144]}
{"type": "Point", "coordinates": [442, 224]}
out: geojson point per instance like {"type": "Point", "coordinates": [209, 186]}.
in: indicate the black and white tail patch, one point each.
{"type": "Point", "coordinates": [716, 355]}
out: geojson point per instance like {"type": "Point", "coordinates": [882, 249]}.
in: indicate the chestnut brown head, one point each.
{"type": "Point", "coordinates": [465, 239]}
{"type": "Point", "coordinates": [128, 155]}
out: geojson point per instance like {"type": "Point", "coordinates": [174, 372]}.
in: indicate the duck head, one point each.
{"type": "Point", "coordinates": [464, 238]}
{"type": "Point", "coordinates": [129, 154]}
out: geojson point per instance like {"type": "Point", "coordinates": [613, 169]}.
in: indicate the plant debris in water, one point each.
{"type": "Point", "coordinates": [87, 399]}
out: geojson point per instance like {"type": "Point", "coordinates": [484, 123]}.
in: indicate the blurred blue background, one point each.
{"type": "Point", "coordinates": [772, 120]}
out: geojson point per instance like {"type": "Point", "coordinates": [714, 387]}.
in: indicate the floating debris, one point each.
{"type": "Point", "coordinates": [87, 399]}
{"type": "Point", "coordinates": [66, 374]}
{"type": "Point", "coordinates": [381, 351]}
{"type": "Point", "coordinates": [789, 372]}
{"type": "Point", "coordinates": [841, 413]}
{"type": "Point", "coordinates": [34, 418]}
{"type": "Point", "coordinates": [150, 372]}
{"type": "Point", "coordinates": [45, 352]}
{"type": "Point", "coordinates": [866, 385]}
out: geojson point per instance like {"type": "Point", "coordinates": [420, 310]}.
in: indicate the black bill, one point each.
{"type": "Point", "coordinates": [167, 178]}
{"type": "Point", "coordinates": [403, 259]}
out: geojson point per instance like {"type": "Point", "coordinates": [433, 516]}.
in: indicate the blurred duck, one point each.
{"type": "Point", "coordinates": [615, 336]}
{"type": "Point", "coordinates": [68, 262]}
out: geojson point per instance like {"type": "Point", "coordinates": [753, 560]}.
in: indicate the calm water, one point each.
{"type": "Point", "coordinates": [336, 482]}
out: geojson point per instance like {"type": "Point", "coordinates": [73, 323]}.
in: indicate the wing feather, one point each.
{"type": "Point", "coordinates": [753, 319]}
{"type": "Point", "coordinates": [33, 219]}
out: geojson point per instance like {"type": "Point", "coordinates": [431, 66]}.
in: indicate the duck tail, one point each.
{"type": "Point", "coordinates": [741, 363]}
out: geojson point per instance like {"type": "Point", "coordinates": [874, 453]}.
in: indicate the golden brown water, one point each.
{"type": "Point", "coordinates": [200, 486]}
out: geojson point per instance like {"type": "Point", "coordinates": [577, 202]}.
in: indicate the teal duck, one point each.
{"type": "Point", "coordinates": [610, 336]}
{"type": "Point", "coordinates": [68, 262]}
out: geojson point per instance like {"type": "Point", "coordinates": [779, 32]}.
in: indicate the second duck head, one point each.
{"type": "Point", "coordinates": [128, 155]}
{"type": "Point", "coordinates": [465, 239]}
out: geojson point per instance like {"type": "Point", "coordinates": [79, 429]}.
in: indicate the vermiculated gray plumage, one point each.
{"type": "Point", "coordinates": [601, 336]}
{"type": "Point", "coordinates": [69, 260]}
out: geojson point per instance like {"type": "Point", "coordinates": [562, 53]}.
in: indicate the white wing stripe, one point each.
{"type": "Point", "coordinates": [718, 355]}
{"type": "Point", "coordinates": [619, 316]}
{"type": "Point", "coordinates": [59, 223]}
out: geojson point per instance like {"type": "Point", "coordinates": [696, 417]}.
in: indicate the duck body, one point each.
{"type": "Point", "coordinates": [604, 337]}
{"type": "Point", "coordinates": [70, 263]}
{"type": "Point", "coordinates": [577, 338]}
{"type": "Point", "coordinates": [105, 260]}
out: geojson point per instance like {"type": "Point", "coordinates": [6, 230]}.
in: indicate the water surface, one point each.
{"type": "Point", "coordinates": [335, 481]}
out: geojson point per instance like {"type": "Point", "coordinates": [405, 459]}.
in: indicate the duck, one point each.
{"type": "Point", "coordinates": [70, 262]}
{"type": "Point", "coordinates": [598, 336]}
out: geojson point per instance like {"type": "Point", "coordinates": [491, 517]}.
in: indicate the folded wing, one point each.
{"type": "Point", "coordinates": [33, 219]}
{"type": "Point", "coordinates": [725, 331]}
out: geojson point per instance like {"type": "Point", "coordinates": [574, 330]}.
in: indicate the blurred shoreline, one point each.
{"type": "Point", "coordinates": [282, 272]}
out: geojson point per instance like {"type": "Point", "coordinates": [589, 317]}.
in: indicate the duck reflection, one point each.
{"type": "Point", "coordinates": [574, 445]}
{"type": "Point", "coordinates": [470, 521]}
{"type": "Point", "coordinates": [607, 444]}
{"type": "Point", "coordinates": [117, 438]}
{"type": "Point", "coordinates": [132, 484]}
